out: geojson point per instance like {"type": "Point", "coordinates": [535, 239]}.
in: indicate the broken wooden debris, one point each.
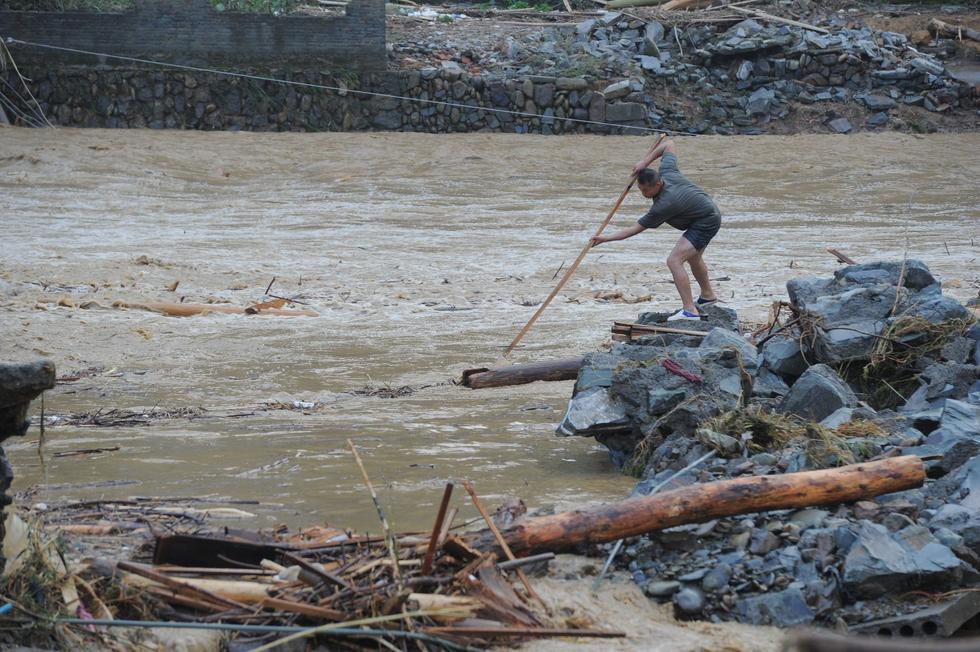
{"type": "Point", "coordinates": [941, 28]}
{"type": "Point", "coordinates": [629, 332]}
{"type": "Point", "coordinates": [553, 370]}
{"type": "Point", "coordinates": [703, 502]}
{"type": "Point", "coordinates": [192, 309]}
{"type": "Point", "coordinates": [841, 257]}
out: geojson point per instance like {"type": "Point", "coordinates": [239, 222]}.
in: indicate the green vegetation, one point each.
{"type": "Point", "coordinates": [445, 18]}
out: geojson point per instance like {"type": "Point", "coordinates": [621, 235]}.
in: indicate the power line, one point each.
{"type": "Point", "coordinates": [227, 73]}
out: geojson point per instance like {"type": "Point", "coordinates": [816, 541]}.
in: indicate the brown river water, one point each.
{"type": "Point", "coordinates": [424, 255]}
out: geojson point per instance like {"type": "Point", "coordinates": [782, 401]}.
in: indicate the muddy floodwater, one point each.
{"type": "Point", "coordinates": [423, 256]}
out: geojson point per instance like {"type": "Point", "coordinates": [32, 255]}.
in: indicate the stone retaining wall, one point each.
{"type": "Point", "coordinates": [119, 98]}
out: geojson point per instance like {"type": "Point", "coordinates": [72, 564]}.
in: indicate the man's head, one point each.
{"type": "Point", "coordinates": [649, 182]}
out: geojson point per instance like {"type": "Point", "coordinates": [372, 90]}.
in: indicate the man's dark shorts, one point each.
{"type": "Point", "coordinates": [700, 235]}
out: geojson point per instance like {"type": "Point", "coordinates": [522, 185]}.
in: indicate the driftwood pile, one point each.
{"type": "Point", "coordinates": [444, 589]}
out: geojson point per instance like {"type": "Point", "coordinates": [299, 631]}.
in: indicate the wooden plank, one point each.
{"type": "Point", "coordinates": [278, 604]}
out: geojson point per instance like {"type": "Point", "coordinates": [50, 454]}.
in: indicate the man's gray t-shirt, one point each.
{"type": "Point", "coordinates": [680, 203]}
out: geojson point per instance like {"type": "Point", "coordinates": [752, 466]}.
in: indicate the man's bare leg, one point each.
{"type": "Point", "coordinates": [700, 271]}
{"type": "Point", "coordinates": [683, 252]}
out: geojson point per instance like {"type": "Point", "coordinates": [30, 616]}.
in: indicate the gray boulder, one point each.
{"type": "Point", "coordinates": [817, 394]}
{"type": "Point", "coordinates": [841, 126]}
{"type": "Point", "coordinates": [916, 275]}
{"type": "Point", "coordinates": [843, 342]}
{"type": "Point", "coordinates": [879, 562]}
{"type": "Point", "coordinates": [721, 338]}
{"type": "Point", "coordinates": [937, 309]}
{"type": "Point", "coordinates": [878, 102]}
{"type": "Point", "coordinates": [784, 357]}
{"type": "Point", "coordinates": [593, 412]}
{"type": "Point", "coordinates": [803, 291]}
{"type": "Point", "coordinates": [961, 521]}
{"type": "Point", "coordinates": [783, 609]}
{"type": "Point", "coordinates": [956, 440]}
{"type": "Point", "coordinates": [617, 90]}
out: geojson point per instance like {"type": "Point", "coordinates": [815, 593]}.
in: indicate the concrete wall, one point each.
{"type": "Point", "coordinates": [190, 31]}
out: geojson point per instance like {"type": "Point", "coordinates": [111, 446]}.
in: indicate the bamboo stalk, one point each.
{"type": "Point", "coordinates": [177, 585]}
{"type": "Point", "coordinates": [390, 540]}
{"type": "Point", "coordinates": [578, 261]}
{"type": "Point", "coordinates": [501, 542]}
{"type": "Point", "coordinates": [436, 529]}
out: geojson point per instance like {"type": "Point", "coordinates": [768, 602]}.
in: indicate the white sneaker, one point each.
{"type": "Point", "coordinates": [683, 314]}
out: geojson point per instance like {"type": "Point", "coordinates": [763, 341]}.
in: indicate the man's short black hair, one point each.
{"type": "Point", "coordinates": [648, 177]}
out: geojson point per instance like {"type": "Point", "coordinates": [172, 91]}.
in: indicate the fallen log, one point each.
{"type": "Point", "coordinates": [521, 374]}
{"type": "Point", "coordinates": [191, 309]}
{"type": "Point", "coordinates": [941, 28]}
{"type": "Point", "coordinates": [700, 503]}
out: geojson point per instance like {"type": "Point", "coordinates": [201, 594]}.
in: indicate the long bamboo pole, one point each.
{"type": "Point", "coordinates": [578, 261]}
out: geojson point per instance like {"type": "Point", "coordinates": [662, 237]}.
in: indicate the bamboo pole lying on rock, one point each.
{"type": "Point", "coordinates": [521, 374]}
{"type": "Point", "coordinates": [700, 503]}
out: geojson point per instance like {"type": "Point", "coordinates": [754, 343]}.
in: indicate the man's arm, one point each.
{"type": "Point", "coordinates": [628, 232]}
{"type": "Point", "coordinates": [663, 148]}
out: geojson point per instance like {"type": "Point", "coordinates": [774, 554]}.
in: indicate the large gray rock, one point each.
{"type": "Point", "coordinates": [818, 393]}
{"type": "Point", "coordinates": [803, 291]}
{"type": "Point", "coordinates": [879, 562]}
{"type": "Point", "coordinates": [960, 520]}
{"type": "Point", "coordinates": [915, 274]}
{"type": "Point", "coordinates": [617, 90]}
{"type": "Point", "coordinates": [878, 102]}
{"type": "Point", "coordinates": [784, 357]}
{"type": "Point", "coordinates": [844, 342]}
{"type": "Point", "coordinates": [783, 609]}
{"type": "Point", "coordinates": [625, 111]}
{"type": "Point", "coordinates": [721, 338]}
{"type": "Point", "coordinates": [861, 304]}
{"type": "Point", "coordinates": [593, 412]}
{"type": "Point", "coordinates": [19, 385]}
{"type": "Point", "coordinates": [956, 440]}
{"type": "Point", "coordinates": [937, 309]}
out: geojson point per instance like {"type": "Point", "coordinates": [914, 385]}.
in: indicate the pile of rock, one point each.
{"type": "Point", "coordinates": [664, 401]}
{"type": "Point", "coordinates": [749, 72]}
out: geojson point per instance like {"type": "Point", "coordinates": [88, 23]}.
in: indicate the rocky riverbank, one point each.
{"type": "Point", "coordinates": [717, 71]}
{"type": "Point", "coordinates": [871, 363]}
{"type": "Point", "coordinates": [723, 70]}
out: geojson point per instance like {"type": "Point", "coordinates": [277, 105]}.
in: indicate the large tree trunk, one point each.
{"type": "Point", "coordinates": [703, 502]}
{"type": "Point", "coordinates": [521, 374]}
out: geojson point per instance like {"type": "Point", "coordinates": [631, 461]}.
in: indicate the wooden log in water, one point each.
{"type": "Point", "coordinates": [700, 503]}
{"type": "Point", "coordinates": [522, 374]}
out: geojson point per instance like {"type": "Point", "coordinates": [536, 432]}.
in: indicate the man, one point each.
{"type": "Point", "coordinates": [684, 206]}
